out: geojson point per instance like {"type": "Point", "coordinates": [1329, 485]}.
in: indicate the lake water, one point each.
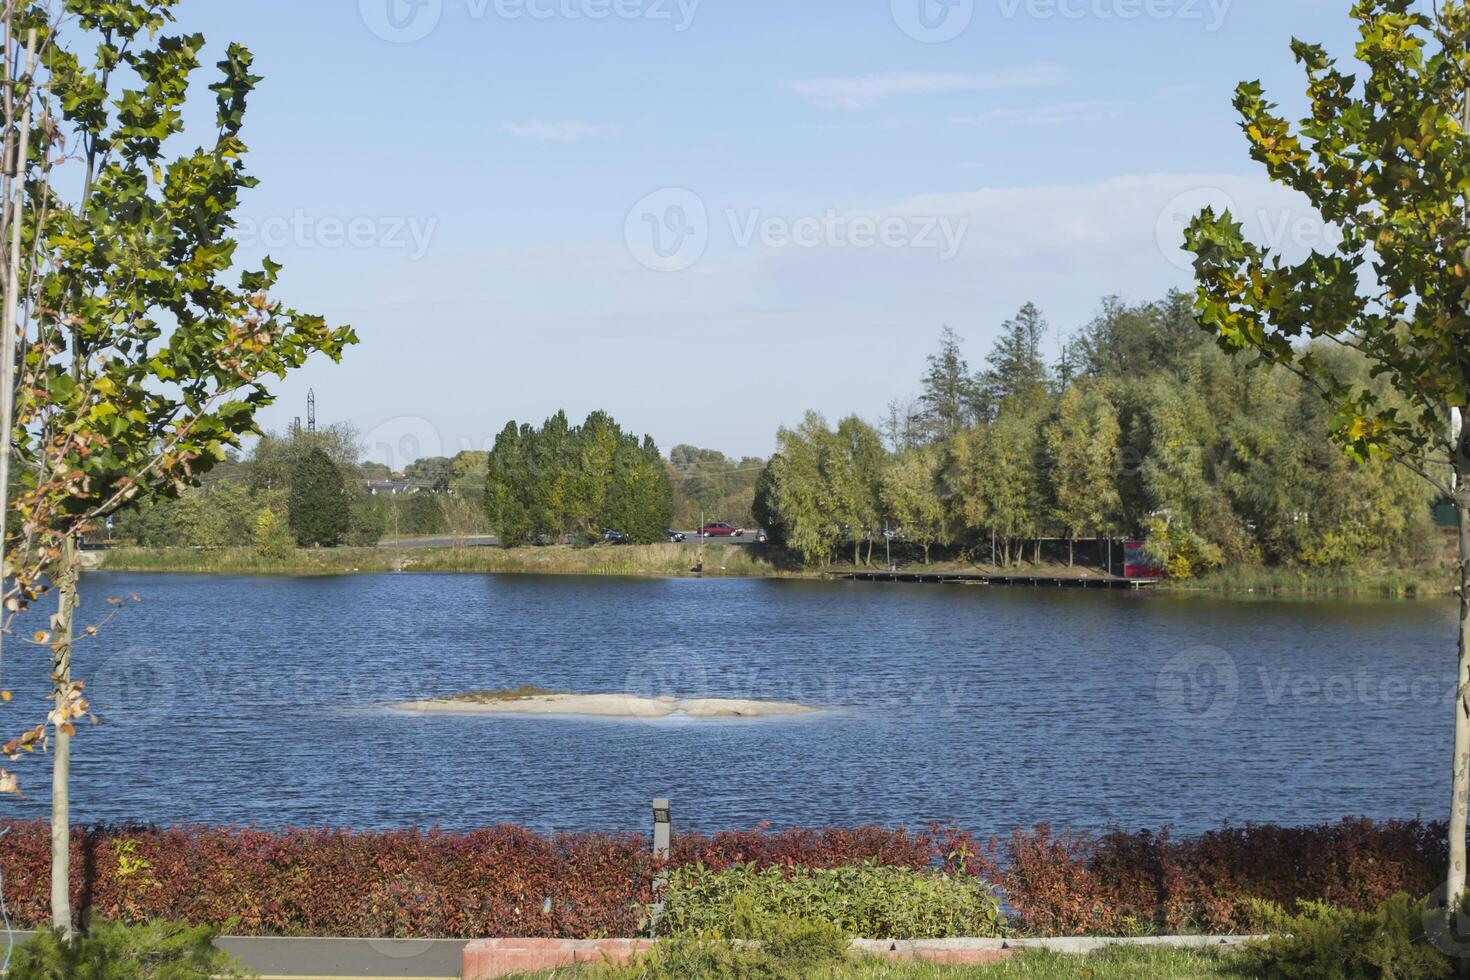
{"type": "Point", "coordinates": [262, 701]}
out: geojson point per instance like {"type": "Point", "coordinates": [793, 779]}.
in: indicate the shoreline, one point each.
{"type": "Point", "coordinates": [722, 561]}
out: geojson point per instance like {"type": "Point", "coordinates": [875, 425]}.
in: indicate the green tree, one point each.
{"type": "Point", "coordinates": [950, 398]}
{"type": "Point", "coordinates": [1017, 369]}
{"type": "Point", "coordinates": [1014, 488]}
{"type": "Point", "coordinates": [638, 501]}
{"type": "Point", "coordinates": [801, 501]}
{"type": "Point", "coordinates": [911, 497]}
{"type": "Point", "coordinates": [1386, 159]}
{"type": "Point", "coordinates": [320, 506]}
{"type": "Point", "coordinates": [507, 484]}
{"type": "Point", "coordinates": [1084, 443]}
{"type": "Point", "coordinates": [273, 538]}
{"type": "Point", "coordinates": [853, 470]}
{"type": "Point", "coordinates": [143, 367]}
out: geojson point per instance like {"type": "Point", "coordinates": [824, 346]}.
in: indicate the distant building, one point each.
{"type": "Point", "coordinates": [390, 488]}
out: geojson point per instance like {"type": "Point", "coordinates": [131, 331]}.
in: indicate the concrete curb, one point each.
{"type": "Point", "coordinates": [489, 959]}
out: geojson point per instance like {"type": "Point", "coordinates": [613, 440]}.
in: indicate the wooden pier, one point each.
{"type": "Point", "coordinates": [1001, 579]}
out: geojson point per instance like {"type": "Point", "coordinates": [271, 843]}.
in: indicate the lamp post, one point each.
{"type": "Point", "coordinates": [663, 839]}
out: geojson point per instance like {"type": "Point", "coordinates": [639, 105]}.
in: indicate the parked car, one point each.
{"type": "Point", "coordinates": [675, 537]}
{"type": "Point", "coordinates": [721, 530]}
{"type": "Point", "coordinates": [614, 537]}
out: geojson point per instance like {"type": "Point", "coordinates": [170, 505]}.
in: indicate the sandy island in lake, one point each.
{"type": "Point", "coordinates": [603, 706]}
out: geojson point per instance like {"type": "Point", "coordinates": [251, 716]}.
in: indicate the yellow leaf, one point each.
{"type": "Point", "coordinates": [5, 696]}
{"type": "Point", "coordinates": [42, 636]}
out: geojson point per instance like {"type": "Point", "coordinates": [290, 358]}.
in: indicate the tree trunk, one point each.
{"type": "Point", "coordinates": [1071, 552]}
{"type": "Point", "coordinates": [61, 918]}
{"type": "Point", "coordinates": [1455, 889]}
{"type": "Point", "coordinates": [870, 552]}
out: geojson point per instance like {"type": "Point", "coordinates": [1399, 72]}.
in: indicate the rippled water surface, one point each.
{"type": "Point", "coordinates": [262, 701]}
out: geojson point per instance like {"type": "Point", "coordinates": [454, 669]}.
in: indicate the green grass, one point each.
{"type": "Point", "coordinates": [658, 560]}
{"type": "Point", "coordinates": [1384, 583]}
{"type": "Point", "coordinates": [523, 693]}
{"type": "Point", "coordinates": [728, 561]}
{"type": "Point", "coordinates": [1118, 963]}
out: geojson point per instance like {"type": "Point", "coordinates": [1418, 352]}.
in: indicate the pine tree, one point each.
{"type": "Point", "coordinates": [951, 398]}
{"type": "Point", "coordinates": [1017, 369]}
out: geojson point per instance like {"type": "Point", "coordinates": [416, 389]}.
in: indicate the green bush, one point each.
{"type": "Point", "coordinates": [1323, 942]}
{"type": "Point", "coordinates": [867, 901]}
{"type": "Point", "coordinates": [778, 949]}
{"type": "Point", "coordinates": [158, 951]}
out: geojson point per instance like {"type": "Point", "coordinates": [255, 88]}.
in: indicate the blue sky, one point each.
{"type": "Point", "coordinates": [708, 217]}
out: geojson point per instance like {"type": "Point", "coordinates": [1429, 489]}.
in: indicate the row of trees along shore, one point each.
{"type": "Point", "coordinates": [310, 489]}
{"type": "Point", "coordinates": [1141, 427]}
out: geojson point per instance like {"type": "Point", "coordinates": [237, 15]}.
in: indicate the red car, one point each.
{"type": "Point", "coordinates": [721, 530]}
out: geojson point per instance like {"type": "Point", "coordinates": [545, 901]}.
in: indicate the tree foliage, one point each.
{"type": "Point", "coordinates": [321, 510]}
{"type": "Point", "coordinates": [1158, 435]}
{"type": "Point", "coordinates": [543, 484]}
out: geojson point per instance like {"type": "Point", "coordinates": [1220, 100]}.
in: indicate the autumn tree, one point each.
{"type": "Point", "coordinates": [1083, 445]}
{"type": "Point", "coordinates": [910, 497]}
{"type": "Point", "coordinates": [141, 364]}
{"type": "Point", "coordinates": [951, 397]}
{"type": "Point", "coordinates": [1384, 156]}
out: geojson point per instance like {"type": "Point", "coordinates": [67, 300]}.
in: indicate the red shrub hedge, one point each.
{"type": "Point", "coordinates": [1123, 884]}
{"type": "Point", "coordinates": [496, 882]}
{"type": "Point", "coordinates": [407, 884]}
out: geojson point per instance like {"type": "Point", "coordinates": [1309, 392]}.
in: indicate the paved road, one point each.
{"type": "Point", "coordinates": [337, 959]}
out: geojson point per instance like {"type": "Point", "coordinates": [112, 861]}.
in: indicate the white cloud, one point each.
{"type": "Point", "coordinates": [866, 91]}
{"type": "Point", "coordinates": [553, 132]}
{"type": "Point", "coordinates": [1048, 115]}
{"type": "Point", "coordinates": [868, 315]}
